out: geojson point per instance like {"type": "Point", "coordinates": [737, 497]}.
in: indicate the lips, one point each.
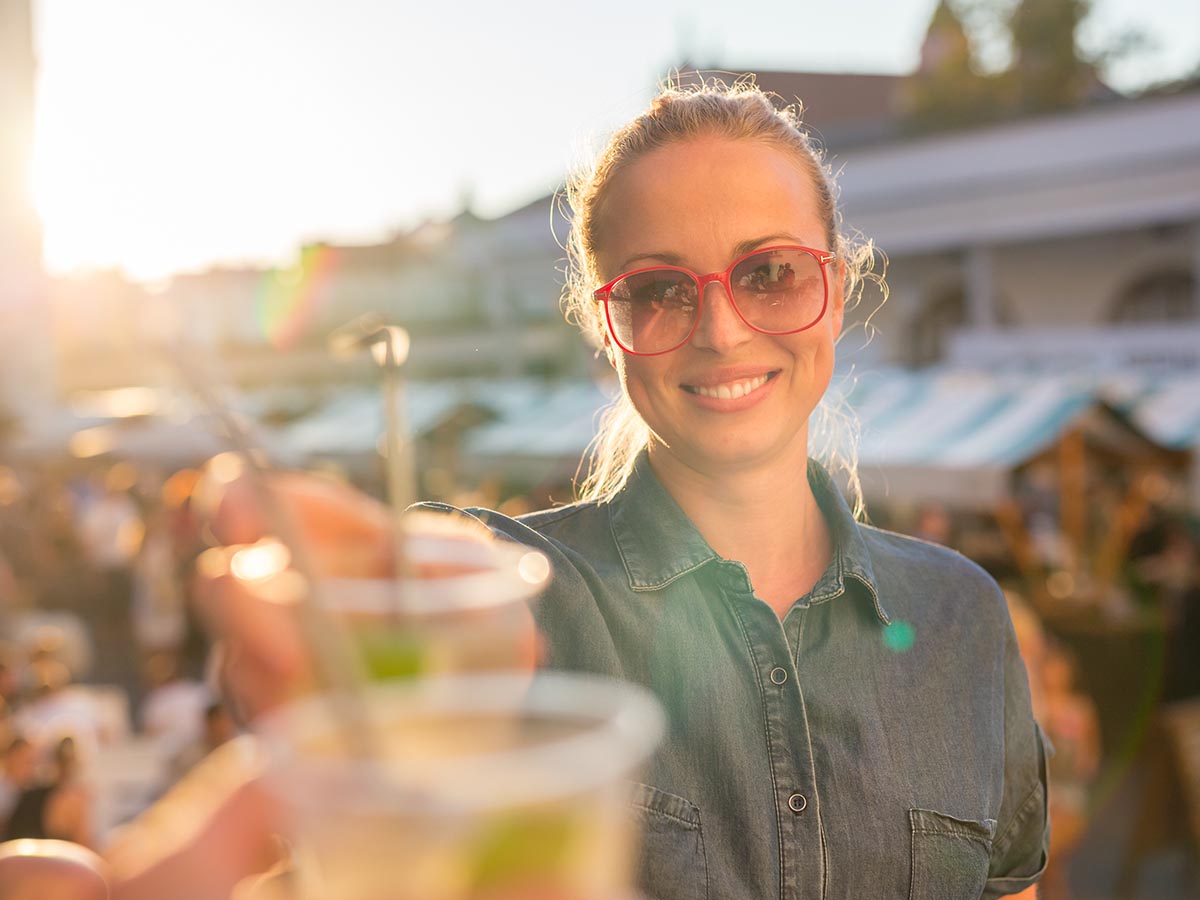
{"type": "Point", "coordinates": [731, 389]}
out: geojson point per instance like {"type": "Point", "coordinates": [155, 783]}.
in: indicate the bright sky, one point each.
{"type": "Point", "coordinates": [176, 133]}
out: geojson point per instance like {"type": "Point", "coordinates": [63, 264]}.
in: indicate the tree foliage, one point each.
{"type": "Point", "coordinates": [1047, 69]}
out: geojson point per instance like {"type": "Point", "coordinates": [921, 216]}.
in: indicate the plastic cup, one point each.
{"type": "Point", "coordinates": [486, 788]}
{"type": "Point", "coordinates": [465, 608]}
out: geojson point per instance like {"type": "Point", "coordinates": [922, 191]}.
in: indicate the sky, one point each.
{"type": "Point", "coordinates": [175, 134]}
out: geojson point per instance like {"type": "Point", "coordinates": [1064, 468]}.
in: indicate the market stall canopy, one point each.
{"type": "Point", "coordinates": [1166, 407]}
{"type": "Point", "coordinates": [352, 422]}
{"type": "Point", "coordinates": [545, 436]}
{"type": "Point", "coordinates": [164, 441]}
{"type": "Point", "coordinates": [956, 437]}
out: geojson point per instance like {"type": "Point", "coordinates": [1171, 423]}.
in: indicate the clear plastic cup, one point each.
{"type": "Point", "coordinates": [485, 788]}
{"type": "Point", "coordinates": [464, 608]}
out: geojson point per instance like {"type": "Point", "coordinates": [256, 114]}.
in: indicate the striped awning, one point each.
{"type": "Point", "coordinates": [552, 430]}
{"type": "Point", "coordinates": [1165, 407]}
{"type": "Point", "coordinates": [947, 435]}
{"type": "Point", "coordinates": [961, 419]}
{"type": "Point", "coordinates": [955, 436]}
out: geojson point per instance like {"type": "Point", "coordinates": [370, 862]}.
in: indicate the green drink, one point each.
{"type": "Point", "coordinates": [464, 607]}
{"type": "Point", "coordinates": [488, 788]}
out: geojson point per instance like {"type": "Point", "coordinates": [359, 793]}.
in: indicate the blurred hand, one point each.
{"type": "Point", "coordinates": [32, 870]}
{"type": "Point", "coordinates": [212, 831]}
{"type": "Point", "coordinates": [341, 532]}
{"type": "Point", "coordinates": [215, 831]}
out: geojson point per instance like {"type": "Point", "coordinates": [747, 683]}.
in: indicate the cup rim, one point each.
{"type": "Point", "coordinates": [509, 573]}
{"type": "Point", "coordinates": [622, 725]}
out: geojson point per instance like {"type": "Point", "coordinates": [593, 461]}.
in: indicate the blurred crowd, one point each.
{"type": "Point", "coordinates": [104, 699]}
{"type": "Point", "coordinates": [107, 696]}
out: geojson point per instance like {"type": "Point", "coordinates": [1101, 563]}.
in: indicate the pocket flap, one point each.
{"type": "Point", "coordinates": [652, 800]}
{"type": "Point", "coordinates": [927, 821]}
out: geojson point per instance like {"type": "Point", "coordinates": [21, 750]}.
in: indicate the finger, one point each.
{"type": "Point", "coordinates": [319, 508]}
{"type": "Point", "coordinates": [264, 659]}
{"type": "Point", "coordinates": [31, 869]}
{"type": "Point", "coordinates": [211, 831]}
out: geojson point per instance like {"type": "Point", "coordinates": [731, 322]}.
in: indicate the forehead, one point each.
{"type": "Point", "coordinates": [699, 199]}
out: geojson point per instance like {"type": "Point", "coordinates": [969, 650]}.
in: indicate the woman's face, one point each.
{"type": "Point", "coordinates": [700, 204]}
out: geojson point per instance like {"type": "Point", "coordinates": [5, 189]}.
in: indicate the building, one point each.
{"type": "Point", "coordinates": [1061, 241]}
{"type": "Point", "coordinates": [25, 335]}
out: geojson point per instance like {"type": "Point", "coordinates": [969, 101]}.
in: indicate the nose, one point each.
{"type": "Point", "coordinates": [720, 328]}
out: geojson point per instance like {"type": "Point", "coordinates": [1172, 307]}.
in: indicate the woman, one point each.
{"type": "Point", "coordinates": [849, 712]}
{"type": "Point", "coordinates": [849, 715]}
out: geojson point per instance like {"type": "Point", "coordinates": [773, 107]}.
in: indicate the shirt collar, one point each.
{"type": "Point", "coordinates": [658, 542]}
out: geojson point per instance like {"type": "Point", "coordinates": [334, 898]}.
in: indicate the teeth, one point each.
{"type": "Point", "coordinates": [732, 390]}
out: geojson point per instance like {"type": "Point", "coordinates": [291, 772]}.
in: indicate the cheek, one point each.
{"type": "Point", "coordinates": [643, 382]}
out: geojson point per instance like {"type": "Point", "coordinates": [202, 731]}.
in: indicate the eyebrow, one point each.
{"type": "Point", "coordinates": [740, 249]}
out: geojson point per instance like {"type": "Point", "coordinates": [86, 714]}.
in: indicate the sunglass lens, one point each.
{"type": "Point", "coordinates": [779, 290]}
{"type": "Point", "coordinates": [653, 311]}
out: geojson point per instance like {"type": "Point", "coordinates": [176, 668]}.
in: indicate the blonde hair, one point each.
{"type": "Point", "coordinates": [710, 108]}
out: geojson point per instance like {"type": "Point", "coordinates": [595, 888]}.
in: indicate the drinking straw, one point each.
{"type": "Point", "coordinates": [337, 665]}
{"type": "Point", "coordinates": [370, 332]}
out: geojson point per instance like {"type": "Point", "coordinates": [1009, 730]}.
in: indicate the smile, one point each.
{"type": "Point", "coordinates": [730, 390]}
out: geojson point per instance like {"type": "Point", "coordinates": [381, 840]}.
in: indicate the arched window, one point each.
{"type": "Point", "coordinates": [941, 314]}
{"type": "Point", "coordinates": [1168, 295]}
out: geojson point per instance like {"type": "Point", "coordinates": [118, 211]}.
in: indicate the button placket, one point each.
{"type": "Point", "coordinates": [789, 751]}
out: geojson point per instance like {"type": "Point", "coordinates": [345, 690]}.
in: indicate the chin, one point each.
{"type": "Point", "coordinates": [730, 452]}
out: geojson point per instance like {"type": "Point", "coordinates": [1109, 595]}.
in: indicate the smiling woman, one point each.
{"type": "Point", "coordinates": [712, 560]}
{"type": "Point", "coordinates": [641, 173]}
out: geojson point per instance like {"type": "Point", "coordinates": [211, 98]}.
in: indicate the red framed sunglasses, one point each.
{"type": "Point", "coordinates": [774, 290]}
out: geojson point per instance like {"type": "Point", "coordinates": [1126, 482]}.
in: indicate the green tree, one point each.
{"type": "Point", "coordinates": [1048, 70]}
{"type": "Point", "coordinates": [949, 88]}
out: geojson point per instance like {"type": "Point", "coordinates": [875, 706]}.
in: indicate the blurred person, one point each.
{"type": "Point", "coordinates": [1070, 719]}
{"type": "Point", "coordinates": [111, 531]}
{"type": "Point", "coordinates": [216, 729]}
{"type": "Point", "coordinates": [159, 618]}
{"type": "Point", "coordinates": [1031, 642]}
{"type": "Point", "coordinates": [849, 713]}
{"type": "Point", "coordinates": [18, 770]}
{"type": "Point", "coordinates": [55, 710]}
{"type": "Point", "coordinates": [10, 677]}
{"type": "Point", "coordinates": [173, 708]}
{"type": "Point", "coordinates": [110, 526]}
{"type": "Point", "coordinates": [59, 808]}
{"type": "Point", "coordinates": [934, 524]}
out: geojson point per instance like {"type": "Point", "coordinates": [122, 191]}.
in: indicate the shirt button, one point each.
{"type": "Point", "coordinates": [778, 675]}
{"type": "Point", "coordinates": [797, 803]}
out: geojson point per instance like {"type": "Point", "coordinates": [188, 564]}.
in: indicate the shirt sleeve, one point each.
{"type": "Point", "coordinates": [1021, 846]}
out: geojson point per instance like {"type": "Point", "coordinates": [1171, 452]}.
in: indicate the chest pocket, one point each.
{"type": "Point", "coordinates": [949, 856]}
{"type": "Point", "coordinates": [673, 865]}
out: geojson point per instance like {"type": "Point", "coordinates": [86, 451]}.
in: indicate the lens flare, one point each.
{"type": "Point", "coordinates": [288, 298]}
{"type": "Point", "coordinates": [899, 636]}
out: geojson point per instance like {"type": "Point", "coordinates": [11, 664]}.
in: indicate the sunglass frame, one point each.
{"type": "Point", "coordinates": [823, 258]}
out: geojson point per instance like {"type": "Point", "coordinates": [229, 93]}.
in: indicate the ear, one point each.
{"type": "Point", "coordinates": [608, 350]}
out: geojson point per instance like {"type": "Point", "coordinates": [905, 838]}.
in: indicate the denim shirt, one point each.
{"type": "Point", "coordinates": [878, 742]}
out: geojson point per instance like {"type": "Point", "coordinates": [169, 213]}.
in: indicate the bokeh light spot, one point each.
{"type": "Point", "coordinates": [899, 636]}
{"type": "Point", "coordinates": [265, 559]}
{"type": "Point", "coordinates": [534, 567]}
